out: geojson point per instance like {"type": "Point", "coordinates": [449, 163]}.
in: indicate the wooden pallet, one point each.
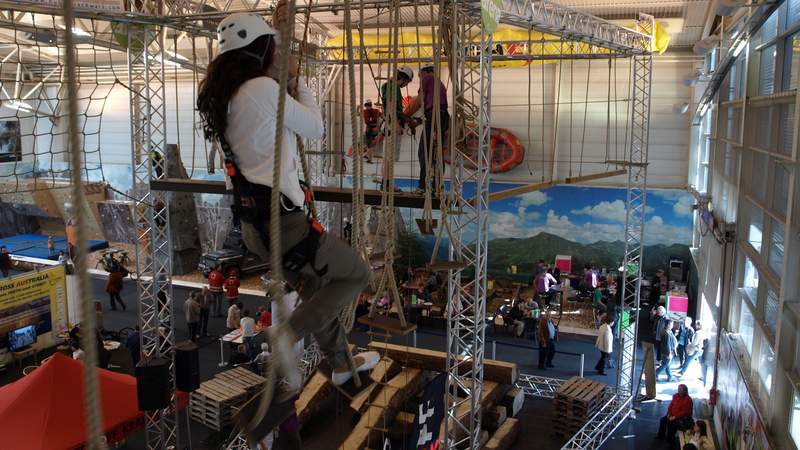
{"type": "Point", "coordinates": [574, 403]}
{"type": "Point", "coordinates": [215, 401]}
{"type": "Point", "coordinates": [243, 378]}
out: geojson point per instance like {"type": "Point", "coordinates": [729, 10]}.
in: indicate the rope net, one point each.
{"type": "Point", "coordinates": [33, 95]}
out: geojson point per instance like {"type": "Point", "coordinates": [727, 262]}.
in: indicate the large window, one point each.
{"type": "Point", "coordinates": [750, 283]}
{"type": "Point", "coordinates": [755, 229]}
{"type": "Point", "coordinates": [786, 129]}
{"type": "Point", "coordinates": [766, 364]}
{"type": "Point", "coordinates": [776, 246]}
{"type": "Point", "coordinates": [766, 71]}
{"type": "Point", "coordinates": [771, 307]}
{"type": "Point", "coordinates": [794, 421]}
{"type": "Point", "coordinates": [791, 62]}
{"type": "Point", "coordinates": [746, 326]}
{"type": "Point", "coordinates": [780, 193]}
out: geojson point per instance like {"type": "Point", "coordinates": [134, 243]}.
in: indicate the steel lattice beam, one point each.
{"type": "Point", "coordinates": [153, 246]}
{"type": "Point", "coordinates": [536, 386]}
{"type": "Point", "coordinates": [471, 94]}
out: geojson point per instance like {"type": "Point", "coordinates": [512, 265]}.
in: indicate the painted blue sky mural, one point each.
{"type": "Point", "coordinates": [585, 214]}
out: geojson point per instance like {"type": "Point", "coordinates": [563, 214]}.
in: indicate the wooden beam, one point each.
{"type": "Point", "coordinates": [321, 193]}
{"type": "Point", "coordinates": [505, 435]}
{"type": "Point", "coordinates": [498, 371]}
{"type": "Point", "coordinates": [312, 396]}
{"type": "Point", "coordinates": [385, 369]}
{"type": "Point", "coordinates": [519, 190]}
{"type": "Point", "coordinates": [595, 176]}
{"type": "Point", "coordinates": [382, 408]}
{"type": "Point", "coordinates": [494, 417]}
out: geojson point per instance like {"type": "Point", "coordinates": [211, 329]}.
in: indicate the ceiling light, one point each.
{"type": "Point", "coordinates": [77, 31]}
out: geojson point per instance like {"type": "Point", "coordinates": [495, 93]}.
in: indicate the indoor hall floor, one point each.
{"type": "Point", "coordinates": [318, 434]}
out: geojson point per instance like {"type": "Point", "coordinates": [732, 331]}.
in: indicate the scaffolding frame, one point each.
{"type": "Point", "coordinates": [471, 75]}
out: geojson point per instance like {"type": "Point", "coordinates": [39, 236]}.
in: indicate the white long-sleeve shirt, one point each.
{"type": "Point", "coordinates": [251, 132]}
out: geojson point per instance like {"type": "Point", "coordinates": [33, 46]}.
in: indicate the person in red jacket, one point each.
{"type": "Point", "coordinates": [114, 287]}
{"type": "Point", "coordinates": [232, 289]}
{"type": "Point", "coordinates": [679, 415]}
{"type": "Point", "coordinates": [215, 282]}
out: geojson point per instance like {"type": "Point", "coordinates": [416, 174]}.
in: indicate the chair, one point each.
{"type": "Point", "coordinates": [504, 313]}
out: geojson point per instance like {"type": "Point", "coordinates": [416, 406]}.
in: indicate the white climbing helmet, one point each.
{"type": "Point", "coordinates": [240, 30]}
{"type": "Point", "coordinates": [405, 70]}
{"type": "Point", "coordinates": [427, 66]}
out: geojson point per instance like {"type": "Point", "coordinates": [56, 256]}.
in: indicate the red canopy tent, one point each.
{"type": "Point", "coordinates": [45, 409]}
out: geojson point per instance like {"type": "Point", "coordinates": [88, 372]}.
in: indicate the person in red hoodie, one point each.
{"type": "Point", "coordinates": [114, 287]}
{"type": "Point", "coordinates": [679, 415]}
{"type": "Point", "coordinates": [232, 289]}
{"type": "Point", "coordinates": [215, 282]}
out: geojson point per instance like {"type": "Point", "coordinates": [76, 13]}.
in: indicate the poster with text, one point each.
{"type": "Point", "coordinates": [37, 298]}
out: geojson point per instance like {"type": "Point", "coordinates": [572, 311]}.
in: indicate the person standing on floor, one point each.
{"type": "Point", "coordinates": [203, 299]}
{"type": "Point", "coordinates": [248, 334]}
{"type": "Point", "coordinates": [192, 310]}
{"type": "Point", "coordinates": [215, 282]}
{"type": "Point", "coordinates": [679, 416]}
{"type": "Point", "coordinates": [234, 317]}
{"type": "Point", "coordinates": [51, 246]}
{"type": "Point", "coordinates": [5, 261]}
{"type": "Point", "coordinates": [685, 335]}
{"type": "Point", "coordinates": [605, 344]}
{"type": "Point", "coordinates": [694, 345]}
{"type": "Point", "coordinates": [704, 355]}
{"type": "Point", "coordinates": [659, 323]}
{"type": "Point", "coordinates": [428, 82]}
{"type": "Point", "coordinates": [134, 345]}
{"type": "Point", "coordinates": [264, 317]}
{"type": "Point", "coordinates": [669, 349]}
{"type": "Point", "coordinates": [232, 289]}
{"type": "Point", "coordinates": [114, 288]}
{"type": "Point", "coordinates": [547, 341]}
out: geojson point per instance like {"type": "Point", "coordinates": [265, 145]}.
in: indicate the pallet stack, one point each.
{"type": "Point", "coordinates": [215, 401]}
{"type": "Point", "coordinates": [575, 402]}
{"type": "Point", "coordinates": [251, 382]}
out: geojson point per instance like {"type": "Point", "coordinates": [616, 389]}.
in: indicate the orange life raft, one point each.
{"type": "Point", "coordinates": [507, 150]}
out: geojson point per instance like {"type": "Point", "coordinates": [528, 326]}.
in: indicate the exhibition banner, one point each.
{"type": "Point", "coordinates": [36, 298]}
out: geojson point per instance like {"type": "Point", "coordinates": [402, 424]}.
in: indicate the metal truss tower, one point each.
{"type": "Point", "coordinates": [620, 401]}
{"type": "Point", "coordinates": [469, 221]}
{"type": "Point", "coordinates": [153, 246]}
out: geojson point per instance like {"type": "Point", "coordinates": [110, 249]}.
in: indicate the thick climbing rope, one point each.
{"type": "Point", "coordinates": [276, 291]}
{"type": "Point", "coordinates": [347, 315]}
{"type": "Point", "coordinates": [92, 410]}
{"type": "Point", "coordinates": [608, 114]}
{"type": "Point", "coordinates": [552, 175]}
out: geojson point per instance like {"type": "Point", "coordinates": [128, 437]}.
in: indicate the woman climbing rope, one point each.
{"type": "Point", "coordinates": [238, 104]}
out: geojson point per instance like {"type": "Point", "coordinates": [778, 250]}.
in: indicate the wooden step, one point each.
{"type": "Point", "coordinates": [444, 266]}
{"type": "Point", "coordinates": [427, 227]}
{"type": "Point", "coordinates": [388, 324]}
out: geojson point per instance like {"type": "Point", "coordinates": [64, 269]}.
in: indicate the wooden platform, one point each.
{"type": "Point", "coordinates": [242, 378]}
{"type": "Point", "coordinates": [321, 193]}
{"type": "Point", "coordinates": [498, 371]}
{"type": "Point", "coordinates": [388, 324]}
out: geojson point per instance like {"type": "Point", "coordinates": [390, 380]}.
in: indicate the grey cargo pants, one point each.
{"type": "Point", "coordinates": [323, 297]}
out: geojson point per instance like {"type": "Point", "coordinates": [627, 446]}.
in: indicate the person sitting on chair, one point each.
{"type": "Point", "coordinates": [679, 415]}
{"type": "Point", "coordinates": [239, 356]}
{"type": "Point", "coordinates": [545, 282]}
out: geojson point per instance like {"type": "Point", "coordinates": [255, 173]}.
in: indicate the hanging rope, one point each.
{"type": "Point", "coordinates": [276, 290]}
{"type": "Point", "coordinates": [608, 114]}
{"type": "Point", "coordinates": [92, 409]}
{"type": "Point", "coordinates": [585, 115]}
{"type": "Point", "coordinates": [543, 109]}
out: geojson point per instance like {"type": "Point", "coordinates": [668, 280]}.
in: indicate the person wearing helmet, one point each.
{"type": "Point", "coordinates": [391, 93]}
{"type": "Point", "coordinates": [238, 103]}
{"type": "Point", "coordinates": [372, 126]}
{"type": "Point", "coordinates": [427, 84]}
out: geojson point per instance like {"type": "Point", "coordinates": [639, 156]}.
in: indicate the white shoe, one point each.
{"type": "Point", "coordinates": [282, 341]}
{"type": "Point", "coordinates": [370, 361]}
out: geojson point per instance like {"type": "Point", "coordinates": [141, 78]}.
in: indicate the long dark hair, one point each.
{"type": "Point", "coordinates": [226, 73]}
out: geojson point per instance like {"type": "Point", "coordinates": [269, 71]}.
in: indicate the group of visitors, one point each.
{"type": "Point", "coordinates": [680, 342]}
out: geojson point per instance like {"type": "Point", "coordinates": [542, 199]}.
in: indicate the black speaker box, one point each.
{"type": "Point", "coordinates": [152, 384]}
{"type": "Point", "coordinates": [187, 366]}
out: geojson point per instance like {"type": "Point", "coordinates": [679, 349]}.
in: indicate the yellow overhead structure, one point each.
{"type": "Point", "coordinates": [508, 41]}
